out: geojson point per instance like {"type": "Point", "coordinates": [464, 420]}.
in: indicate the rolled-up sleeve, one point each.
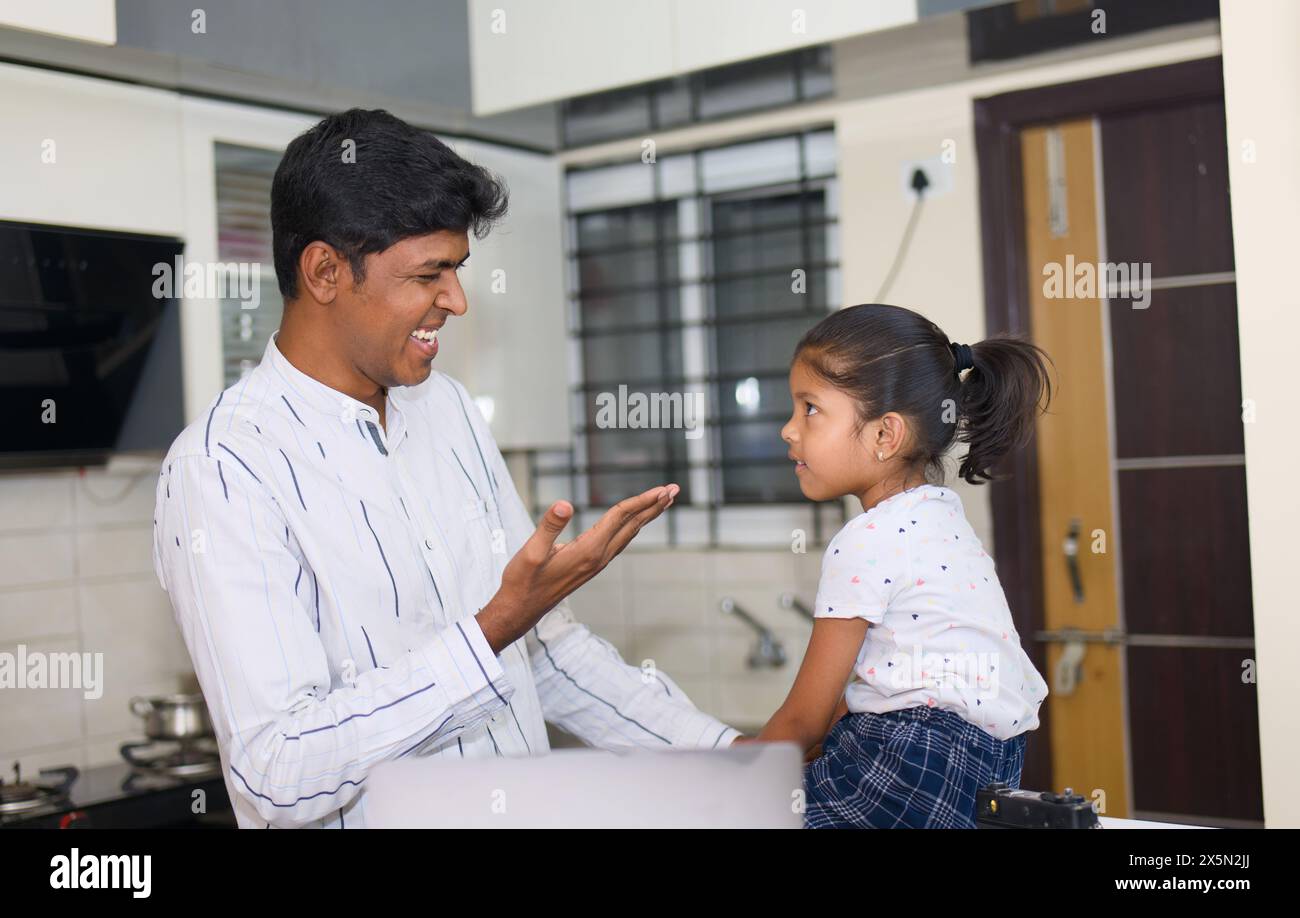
{"type": "Point", "coordinates": [584, 685]}
{"type": "Point", "coordinates": [299, 747]}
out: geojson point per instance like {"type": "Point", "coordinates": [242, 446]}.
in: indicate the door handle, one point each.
{"type": "Point", "coordinates": [1068, 671]}
{"type": "Point", "coordinates": [1071, 547]}
{"type": "Point", "coordinates": [1069, 668]}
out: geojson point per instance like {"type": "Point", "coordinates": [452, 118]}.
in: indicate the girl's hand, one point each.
{"type": "Point", "coordinates": [811, 754]}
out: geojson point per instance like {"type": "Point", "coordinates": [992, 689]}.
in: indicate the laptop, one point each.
{"type": "Point", "coordinates": [751, 786]}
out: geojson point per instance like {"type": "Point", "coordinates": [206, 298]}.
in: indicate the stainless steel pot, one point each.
{"type": "Point", "coordinates": [173, 717]}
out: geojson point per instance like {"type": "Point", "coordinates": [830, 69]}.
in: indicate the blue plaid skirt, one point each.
{"type": "Point", "coordinates": [914, 768]}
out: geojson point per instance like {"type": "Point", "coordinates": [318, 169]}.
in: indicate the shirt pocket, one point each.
{"type": "Point", "coordinates": [482, 543]}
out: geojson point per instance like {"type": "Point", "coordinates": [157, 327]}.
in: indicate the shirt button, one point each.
{"type": "Point", "coordinates": [428, 545]}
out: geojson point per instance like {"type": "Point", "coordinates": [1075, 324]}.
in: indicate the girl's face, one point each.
{"type": "Point", "coordinates": [830, 459]}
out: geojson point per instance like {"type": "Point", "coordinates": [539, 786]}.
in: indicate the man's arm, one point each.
{"type": "Point", "coordinates": [584, 685]}
{"type": "Point", "coordinates": [298, 751]}
{"type": "Point", "coordinates": [588, 690]}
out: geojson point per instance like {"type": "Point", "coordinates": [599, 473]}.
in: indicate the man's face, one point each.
{"type": "Point", "coordinates": [410, 286]}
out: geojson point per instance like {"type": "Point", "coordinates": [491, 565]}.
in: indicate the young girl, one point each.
{"type": "Point", "coordinates": [908, 605]}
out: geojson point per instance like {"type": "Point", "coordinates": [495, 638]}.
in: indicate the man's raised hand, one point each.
{"type": "Point", "coordinates": [542, 573]}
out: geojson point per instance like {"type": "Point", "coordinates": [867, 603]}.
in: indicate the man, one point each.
{"type": "Point", "coordinates": [336, 531]}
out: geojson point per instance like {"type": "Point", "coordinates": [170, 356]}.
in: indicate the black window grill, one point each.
{"type": "Point", "coordinates": [706, 95]}
{"type": "Point", "coordinates": [694, 276]}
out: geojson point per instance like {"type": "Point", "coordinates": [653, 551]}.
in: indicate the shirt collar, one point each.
{"type": "Point", "coordinates": [315, 395]}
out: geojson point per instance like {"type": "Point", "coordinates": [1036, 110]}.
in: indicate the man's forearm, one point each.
{"type": "Point", "coordinates": [503, 623]}
{"type": "Point", "coordinates": [492, 623]}
{"type": "Point", "coordinates": [294, 769]}
{"type": "Point", "coordinates": [586, 688]}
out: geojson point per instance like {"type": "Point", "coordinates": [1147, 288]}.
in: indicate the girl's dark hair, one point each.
{"type": "Point", "coordinates": [396, 181]}
{"type": "Point", "coordinates": [892, 359]}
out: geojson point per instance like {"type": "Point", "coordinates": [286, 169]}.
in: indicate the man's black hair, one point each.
{"type": "Point", "coordinates": [365, 180]}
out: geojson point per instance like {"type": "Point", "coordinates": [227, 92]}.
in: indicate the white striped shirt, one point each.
{"type": "Point", "coordinates": [325, 573]}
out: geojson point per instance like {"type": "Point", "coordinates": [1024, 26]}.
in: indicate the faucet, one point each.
{"type": "Point", "coordinates": [790, 601]}
{"type": "Point", "coordinates": [768, 653]}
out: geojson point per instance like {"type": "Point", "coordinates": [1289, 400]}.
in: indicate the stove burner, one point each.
{"type": "Point", "coordinates": [51, 785]}
{"type": "Point", "coordinates": [188, 758]}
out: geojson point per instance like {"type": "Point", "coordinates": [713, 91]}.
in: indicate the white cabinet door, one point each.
{"type": "Point", "coordinates": [511, 346]}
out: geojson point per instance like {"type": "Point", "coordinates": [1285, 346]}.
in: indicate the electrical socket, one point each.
{"type": "Point", "coordinates": [939, 173]}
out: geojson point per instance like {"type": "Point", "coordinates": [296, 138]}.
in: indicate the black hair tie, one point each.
{"type": "Point", "coordinates": [961, 353]}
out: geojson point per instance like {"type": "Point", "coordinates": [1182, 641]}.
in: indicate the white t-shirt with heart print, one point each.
{"type": "Point", "coordinates": [941, 632]}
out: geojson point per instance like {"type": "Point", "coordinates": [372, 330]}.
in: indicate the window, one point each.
{"type": "Point", "coordinates": [692, 278]}
{"type": "Point", "coordinates": [1026, 27]}
{"type": "Point", "coordinates": [759, 314]}
{"type": "Point", "coordinates": [720, 92]}
{"type": "Point", "coordinates": [244, 235]}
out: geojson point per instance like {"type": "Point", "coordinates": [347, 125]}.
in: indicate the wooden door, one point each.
{"type": "Point", "coordinates": [1075, 453]}
{"type": "Point", "coordinates": [1145, 635]}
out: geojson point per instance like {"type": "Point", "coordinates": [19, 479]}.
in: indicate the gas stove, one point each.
{"type": "Point", "coordinates": [155, 792]}
{"type": "Point", "coordinates": [196, 757]}
{"type": "Point", "coordinates": [21, 796]}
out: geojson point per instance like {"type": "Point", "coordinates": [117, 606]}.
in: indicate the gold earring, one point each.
{"type": "Point", "coordinates": [880, 455]}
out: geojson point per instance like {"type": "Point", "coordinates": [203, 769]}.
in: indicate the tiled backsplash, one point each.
{"type": "Point", "coordinates": [664, 606]}
{"type": "Point", "coordinates": [76, 576]}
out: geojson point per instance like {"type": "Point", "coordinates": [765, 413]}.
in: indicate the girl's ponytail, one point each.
{"type": "Point", "coordinates": [1000, 400]}
{"type": "Point", "coordinates": [893, 359]}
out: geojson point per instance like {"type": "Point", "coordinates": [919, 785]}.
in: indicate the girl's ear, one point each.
{"type": "Point", "coordinates": [891, 434]}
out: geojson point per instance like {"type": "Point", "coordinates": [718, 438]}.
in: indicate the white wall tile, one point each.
{"type": "Point", "coordinates": [27, 615]}
{"type": "Point", "coordinates": [30, 559]}
{"type": "Point", "coordinates": [750, 700]}
{"type": "Point", "coordinates": [683, 651]}
{"type": "Point", "coordinates": [108, 499]}
{"type": "Point", "coordinates": [653, 568]}
{"type": "Point", "coordinates": [36, 501]}
{"type": "Point", "coordinates": [598, 606]}
{"type": "Point", "coordinates": [35, 718]}
{"type": "Point", "coordinates": [742, 567]}
{"type": "Point", "coordinates": [131, 623]}
{"type": "Point", "coordinates": [116, 551]}
{"type": "Point", "coordinates": [680, 605]}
